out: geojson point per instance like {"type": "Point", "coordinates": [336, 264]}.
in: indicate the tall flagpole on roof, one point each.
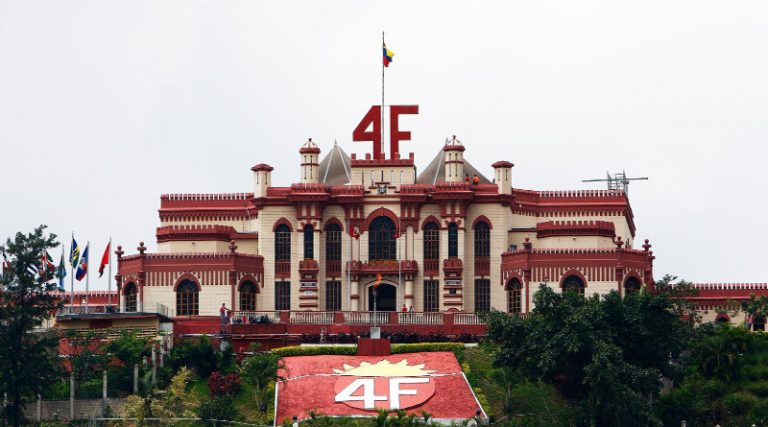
{"type": "Point", "coordinates": [109, 278]}
{"type": "Point", "coordinates": [383, 46]}
{"type": "Point", "coordinates": [71, 278]}
{"type": "Point", "coordinates": [87, 277]}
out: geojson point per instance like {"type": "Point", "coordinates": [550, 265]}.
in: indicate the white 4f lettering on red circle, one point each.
{"type": "Point", "coordinates": [383, 392]}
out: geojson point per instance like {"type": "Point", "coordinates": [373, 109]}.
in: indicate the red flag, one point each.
{"type": "Point", "coordinates": [104, 259]}
{"type": "Point", "coordinates": [378, 280]}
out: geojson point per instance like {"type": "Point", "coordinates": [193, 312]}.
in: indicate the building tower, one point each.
{"type": "Point", "coordinates": [502, 172]}
{"type": "Point", "coordinates": [262, 179]}
{"type": "Point", "coordinates": [454, 160]}
{"type": "Point", "coordinates": [310, 163]}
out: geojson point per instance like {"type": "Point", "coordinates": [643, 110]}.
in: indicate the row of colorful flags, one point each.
{"type": "Point", "coordinates": [47, 270]}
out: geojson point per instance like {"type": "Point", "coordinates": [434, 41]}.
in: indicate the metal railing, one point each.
{"type": "Point", "coordinates": [158, 308]}
{"type": "Point", "coordinates": [420, 318]}
{"type": "Point", "coordinates": [256, 316]}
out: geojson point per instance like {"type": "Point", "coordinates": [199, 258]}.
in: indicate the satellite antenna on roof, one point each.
{"type": "Point", "coordinates": [617, 181]}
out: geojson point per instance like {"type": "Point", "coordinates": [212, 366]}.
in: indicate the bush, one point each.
{"type": "Point", "coordinates": [739, 403]}
{"type": "Point", "coordinates": [217, 409]}
{"type": "Point", "coordinates": [455, 347]}
{"type": "Point", "coordinates": [223, 385]}
{"type": "Point", "coordinates": [199, 356]}
{"type": "Point", "coordinates": [313, 351]}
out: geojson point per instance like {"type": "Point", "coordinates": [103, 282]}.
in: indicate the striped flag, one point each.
{"type": "Point", "coordinates": [388, 54]}
{"type": "Point", "coordinates": [74, 254]}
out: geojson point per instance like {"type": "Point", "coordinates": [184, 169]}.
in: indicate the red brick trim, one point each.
{"type": "Point", "coordinates": [430, 219]}
{"type": "Point", "coordinates": [282, 220]}
{"type": "Point", "coordinates": [482, 218]}
{"type": "Point", "coordinates": [381, 212]}
{"type": "Point", "coordinates": [184, 277]}
{"type": "Point", "coordinates": [576, 273]}
{"type": "Point", "coordinates": [333, 220]}
{"type": "Point", "coordinates": [512, 277]}
{"type": "Point", "coordinates": [246, 278]}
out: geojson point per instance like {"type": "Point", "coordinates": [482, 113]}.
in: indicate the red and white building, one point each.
{"type": "Point", "coordinates": [448, 239]}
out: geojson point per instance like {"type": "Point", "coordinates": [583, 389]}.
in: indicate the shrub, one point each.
{"type": "Point", "coordinates": [455, 347]}
{"type": "Point", "coordinates": [223, 385]}
{"type": "Point", "coordinates": [739, 403]}
{"type": "Point", "coordinates": [198, 355]}
{"type": "Point", "coordinates": [313, 350]}
{"type": "Point", "coordinates": [222, 408]}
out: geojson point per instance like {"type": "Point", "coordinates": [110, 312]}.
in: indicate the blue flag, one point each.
{"type": "Point", "coordinates": [82, 268]}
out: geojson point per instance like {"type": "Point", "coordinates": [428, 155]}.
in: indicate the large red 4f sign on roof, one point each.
{"type": "Point", "coordinates": [373, 118]}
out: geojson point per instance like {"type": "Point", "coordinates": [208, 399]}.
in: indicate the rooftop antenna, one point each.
{"type": "Point", "coordinates": [617, 181]}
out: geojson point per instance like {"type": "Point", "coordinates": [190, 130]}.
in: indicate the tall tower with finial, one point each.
{"type": "Point", "coordinates": [310, 163]}
{"type": "Point", "coordinates": [454, 160]}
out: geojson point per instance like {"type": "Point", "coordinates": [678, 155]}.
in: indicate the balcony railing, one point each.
{"type": "Point", "coordinates": [366, 317]}
{"type": "Point", "coordinates": [431, 267]}
{"type": "Point", "coordinates": [312, 317]}
{"type": "Point", "coordinates": [468, 319]}
{"type": "Point", "coordinates": [333, 268]}
{"type": "Point", "coordinates": [420, 318]}
{"type": "Point", "coordinates": [482, 266]}
{"type": "Point", "coordinates": [256, 316]}
{"type": "Point", "coordinates": [157, 308]}
{"type": "Point", "coordinates": [282, 268]}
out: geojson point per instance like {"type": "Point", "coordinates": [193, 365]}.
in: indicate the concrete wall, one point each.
{"type": "Point", "coordinates": [84, 408]}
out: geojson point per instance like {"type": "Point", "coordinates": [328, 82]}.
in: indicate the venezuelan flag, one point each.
{"type": "Point", "coordinates": [388, 54]}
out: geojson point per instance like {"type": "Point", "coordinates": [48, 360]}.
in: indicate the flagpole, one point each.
{"type": "Point", "coordinates": [87, 276]}
{"type": "Point", "coordinates": [71, 281]}
{"type": "Point", "coordinates": [109, 278]}
{"type": "Point", "coordinates": [382, 97]}
{"type": "Point", "coordinates": [349, 272]}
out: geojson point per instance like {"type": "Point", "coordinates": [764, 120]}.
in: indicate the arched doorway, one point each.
{"type": "Point", "coordinates": [386, 297]}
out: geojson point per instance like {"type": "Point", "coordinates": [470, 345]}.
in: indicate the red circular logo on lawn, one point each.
{"type": "Point", "coordinates": [383, 385]}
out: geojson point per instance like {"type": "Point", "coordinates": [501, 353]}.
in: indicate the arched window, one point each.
{"type": "Point", "coordinates": [131, 293]}
{"type": "Point", "coordinates": [381, 240]}
{"type": "Point", "coordinates": [631, 286]}
{"type": "Point", "coordinates": [574, 284]}
{"type": "Point", "coordinates": [248, 296]}
{"type": "Point", "coordinates": [431, 241]}
{"type": "Point", "coordinates": [482, 240]}
{"type": "Point", "coordinates": [187, 299]}
{"type": "Point", "coordinates": [282, 243]}
{"type": "Point", "coordinates": [333, 242]}
{"type": "Point", "coordinates": [453, 240]}
{"type": "Point", "coordinates": [309, 242]}
{"type": "Point", "coordinates": [514, 294]}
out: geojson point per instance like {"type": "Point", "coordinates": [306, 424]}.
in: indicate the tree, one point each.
{"type": "Point", "coordinates": [28, 363]}
{"type": "Point", "coordinates": [259, 370]}
{"type": "Point", "coordinates": [607, 353]}
{"type": "Point", "coordinates": [125, 351]}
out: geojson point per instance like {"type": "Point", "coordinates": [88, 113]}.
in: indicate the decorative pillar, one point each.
{"type": "Point", "coordinates": [408, 292]}
{"type": "Point", "coordinates": [355, 297]}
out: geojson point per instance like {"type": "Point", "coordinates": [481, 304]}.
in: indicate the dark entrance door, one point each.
{"type": "Point", "coordinates": [386, 298]}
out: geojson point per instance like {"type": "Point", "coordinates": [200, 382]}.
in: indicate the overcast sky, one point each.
{"type": "Point", "coordinates": [105, 105]}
